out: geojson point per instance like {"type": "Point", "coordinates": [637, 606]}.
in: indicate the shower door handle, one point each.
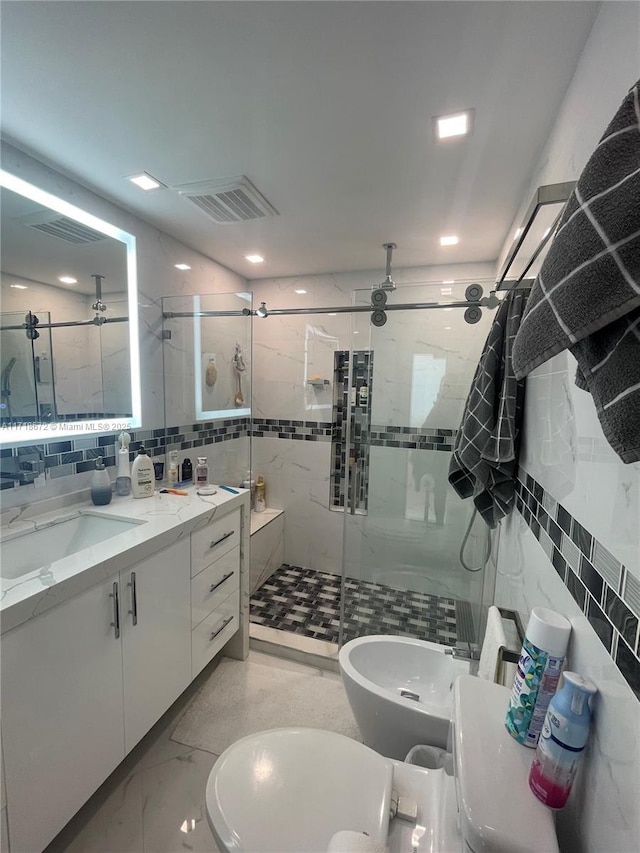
{"type": "Point", "coordinates": [355, 486]}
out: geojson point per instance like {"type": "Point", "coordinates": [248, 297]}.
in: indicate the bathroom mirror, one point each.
{"type": "Point", "coordinates": [69, 345]}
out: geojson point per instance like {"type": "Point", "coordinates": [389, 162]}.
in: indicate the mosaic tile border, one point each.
{"type": "Point", "coordinates": [293, 430]}
{"type": "Point", "coordinates": [65, 457]}
{"type": "Point", "coordinates": [607, 594]}
{"type": "Point", "coordinates": [413, 438]}
{"type": "Point", "coordinates": [380, 435]}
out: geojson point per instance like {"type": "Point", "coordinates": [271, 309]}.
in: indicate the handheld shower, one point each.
{"type": "Point", "coordinates": [5, 385]}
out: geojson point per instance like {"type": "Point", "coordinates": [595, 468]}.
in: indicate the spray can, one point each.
{"type": "Point", "coordinates": [562, 741]}
{"type": "Point", "coordinates": [537, 674]}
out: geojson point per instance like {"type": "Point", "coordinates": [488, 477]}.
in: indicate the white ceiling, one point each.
{"type": "Point", "coordinates": [326, 106]}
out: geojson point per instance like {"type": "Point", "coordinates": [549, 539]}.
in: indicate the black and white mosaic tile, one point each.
{"type": "Point", "coordinates": [307, 602]}
{"type": "Point", "coordinates": [605, 591]}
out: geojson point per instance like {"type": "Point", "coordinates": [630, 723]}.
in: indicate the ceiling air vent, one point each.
{"type": "Point", "coordinates": [228, 200]}
{"type": "Point", "coordinates": [60, 226]}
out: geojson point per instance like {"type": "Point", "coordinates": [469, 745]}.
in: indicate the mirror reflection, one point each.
{"type": "Point", "coordinates": [68, 343]}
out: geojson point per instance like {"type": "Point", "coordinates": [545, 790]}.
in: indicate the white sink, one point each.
{"type": "Point", "coordinates": [25, 552]}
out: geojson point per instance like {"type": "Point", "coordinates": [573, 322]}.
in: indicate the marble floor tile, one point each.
{"type": "Point", "coordinates": [243, 697]}
{"type": "Point", "coordinates": [111, 822]}
{"type": "Point", "coordinates": [173, 813]}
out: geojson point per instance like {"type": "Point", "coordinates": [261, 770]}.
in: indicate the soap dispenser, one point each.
{"type": "Point", "coordinates": [123, 480]}
{"type": "Point", "coordinates": [142, 475]}
{"type": "Point", "coordinates": [100, 484]}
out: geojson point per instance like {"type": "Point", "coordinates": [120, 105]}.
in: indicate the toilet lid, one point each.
{"type": "Point", "coordinates": [290, 790]}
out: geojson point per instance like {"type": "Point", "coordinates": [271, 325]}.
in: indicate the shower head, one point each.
{"type": "Point", "coordinates": [262, 310]}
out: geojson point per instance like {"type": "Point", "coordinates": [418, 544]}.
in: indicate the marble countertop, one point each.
{"type": "Point", "coordinates": [167, 518]}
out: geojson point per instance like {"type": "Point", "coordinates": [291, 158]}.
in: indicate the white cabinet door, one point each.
{"type": "Point", "coordinates": [156, 637]}
{"type": "Point", "coordinates": [62, 718]}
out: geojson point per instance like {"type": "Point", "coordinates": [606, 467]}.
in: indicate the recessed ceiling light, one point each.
{"type": "Point", "coordinates": [449, 240]}
{"type": "Point", "coordinates": [19, 286]}
{"type": "Point", "coordinates": [449, 281]}
{"type": "Point", "coordinates": [445, 291]}
{"type": "Point", "coordinates": [456, 124]}
{"type": "Point", "coordinates": [300, 291]}
{"type": "Point", "coordinates": [145, 181]}
{"type": "Point", "coordinates": [67, 279]}
{"type": "Point", "coordinates": [182, 266]}
{"type": "Point", "coordinates": [255, 259]}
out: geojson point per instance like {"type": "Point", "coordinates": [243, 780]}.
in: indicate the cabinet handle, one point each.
{"type": "Point", "coordinates": [221, 581]}
{"type": "Point", "coordinates": [221, 628]}
{"type": "Point", "coordinates": [222, 538]}
{"type": "Point", "coordinates": [116, 610]}
{"type": "Point", "coordinates": [134, 599]}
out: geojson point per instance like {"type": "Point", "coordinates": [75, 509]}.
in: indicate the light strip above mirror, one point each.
{"type": "Point", "coordinates": [36, 431]}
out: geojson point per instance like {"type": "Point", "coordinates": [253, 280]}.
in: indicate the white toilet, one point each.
{"type": "Point", "coordinates": [311, 791]}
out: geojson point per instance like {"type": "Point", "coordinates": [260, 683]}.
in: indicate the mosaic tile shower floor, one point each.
{"type": "Point", "coordinates": [306, 601]}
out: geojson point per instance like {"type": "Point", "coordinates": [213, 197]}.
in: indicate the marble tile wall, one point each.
{"type": "Point", "coordinates": [574, 546]}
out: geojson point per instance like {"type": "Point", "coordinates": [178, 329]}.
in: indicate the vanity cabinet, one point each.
{"type": "Point", "coordinates": [83, 682]}
{"type": "Point", "coordinates": [62, 718]}
{"type": "Point", "coordinates": [215, 592]}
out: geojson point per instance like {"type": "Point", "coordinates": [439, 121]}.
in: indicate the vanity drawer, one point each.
{"type": "Point", "coordinates": [210, 588]}
{"type": "Point", "coordinates": [213, 541]}
{"type": "Point", "coordinates": [212, 633]}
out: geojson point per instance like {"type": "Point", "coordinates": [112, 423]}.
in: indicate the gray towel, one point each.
{"type": "Point", "coordinates": [586, 297]}
{"type": "Point", "coordinates": [485, 457]}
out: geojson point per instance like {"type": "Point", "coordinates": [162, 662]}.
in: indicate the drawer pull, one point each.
{"type": "Point", "coordinates": [221, 628]}
{"type": "Point", "coordinates": [116, 610]}
{"type": "Point", "coordinates": [222, 538]}
{"type": "Point", "coordinates": [221, 581]}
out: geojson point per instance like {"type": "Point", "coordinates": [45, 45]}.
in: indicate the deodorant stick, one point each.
{"type": "Point", "coordinates": [537, 674]}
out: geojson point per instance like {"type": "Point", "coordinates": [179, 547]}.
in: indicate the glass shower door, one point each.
{"type": "Point", "coordinates": [404, 527]}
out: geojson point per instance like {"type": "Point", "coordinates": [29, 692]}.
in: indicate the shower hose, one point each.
{"type": "Point", "coordinates": [464, 543]}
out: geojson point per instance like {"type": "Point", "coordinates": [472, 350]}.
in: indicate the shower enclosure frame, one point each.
{"type": "Point", "coordinates": [263, 312]}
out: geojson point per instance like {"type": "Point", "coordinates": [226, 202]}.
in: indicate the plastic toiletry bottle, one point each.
{"type": "Point", "coordinates": [100, 484]}
{"type": "Point", "coordinates": [250, 484]}
{"type": "Point", "coordinates": [142, 475]}
{"type": "Point", "coordinates": [261, 494]}
{"type": "Point", "coordinates": [561, 746]}
{"type": "Point", "coordinates": [537, 674]}
{"type": "Point", "coordinates": [123, 479]}
{"type": "Point", "coordinates": [202, 472]}
{"type": "Point", "coordinates": [173, 473]}
{"type": "Point", "coordinates": [187, 470]}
